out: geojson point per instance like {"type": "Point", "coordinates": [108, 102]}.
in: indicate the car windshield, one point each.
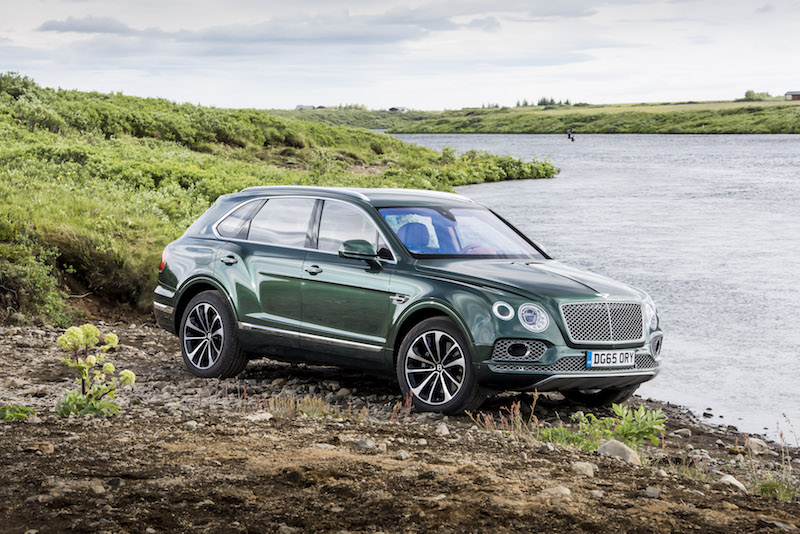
{"type": "Point", "coordinates": [440, 231]}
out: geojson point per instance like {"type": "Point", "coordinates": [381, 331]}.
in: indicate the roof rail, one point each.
{"type": "Point", "coordinates": [426, 192]}
{"type": "Point", "coordinates": [311, 188]}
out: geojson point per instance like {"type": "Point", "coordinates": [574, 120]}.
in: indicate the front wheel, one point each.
{"type": "Point", "coordinates": [434, 366]}
{"type": "Point", "coordinates": [599, 397]}
{"type": "Point", "coordinates": [209, 337]}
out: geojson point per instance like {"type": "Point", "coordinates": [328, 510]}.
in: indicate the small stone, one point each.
{"type": "Point", "coordinates": [652, 492]}
{"type": "Point", "coordinates": [39, 498]}
{"type": "Point", "coordinates": [31, 531]}
{"type": "Point", "coordinates": [260, 416]}
{"type": "Point", "coordinates": [16, 383]}
{"type": "Point", "coordinates": [557, 491]}
{"type": "Point", "coordinates": [771, 523]}
{"type": "Point", "coordinates": [442, 430]}
{"type": "Point", "coordinates": [366, 444]}
{"type": "Point", "coordinates": [382, 447]}
{"type": "Point", "coordinates": [597, 494]}
{"type": "Point", "coordinates": [708, 415]}
{"type": "Point", "coordinates": [286, 529]}
{"type": "Point", "coordinates": [278, 382]}
{"type": "Point", "coordinates": [728, 506]}
{"type": "Point", "coordinates": [662, 473]}
{"type": "Point", "coordinates": [756, 446]}
{"type": "Point", "coordinates": [45, 446]}
{"type": "Point", "coordinates": [719, 443]}
{"type": "Point", "coordinates": [620, 450]}
{"type": "Point", "coordinates": [422, 442]}
{"type": "Point", "coordinates": [343, 393]}
{"type": "Point", "coordinates": [33, 419]}
{"type": "Point", "coordinates": [190, 425]}
{"type": "Point", "coordinates": [402, 455]}
{"type": "Point", "coordinates": [683, 433]}
{"type": "Point", "coordinates": [97, 489]}
{"type": "Point", "coordinates": [523, 456]}
{"type": "Point", "coordinates": [583, 468]}
{"type": "Point", "coordinates": [325, 446]}
{"type": "Point", "coordinates": [116, 482]}
{"type": "Point", "coordinates": [729, 480]}
{"type": "Point", "coordinates": [150, 530]}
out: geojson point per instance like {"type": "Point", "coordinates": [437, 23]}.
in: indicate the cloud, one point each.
{"type": "Point", "coordinates": [766, 8]}
{"type": "Point", "coordinates": [87, 25]}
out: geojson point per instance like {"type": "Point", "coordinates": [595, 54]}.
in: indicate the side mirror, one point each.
{"type": "Point", "coordinates": [358, 249]}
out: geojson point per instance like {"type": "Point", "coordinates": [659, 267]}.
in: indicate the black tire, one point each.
{"type": "Point", "coordinates": [437, 345]}
{"type": "Point", "coordinates": [209, 337]}
{"type": "Point", "coordinates": [602, 397]}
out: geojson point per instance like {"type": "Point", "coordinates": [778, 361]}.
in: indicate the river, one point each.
{"type": "Point", "coordinates": [708, 225]}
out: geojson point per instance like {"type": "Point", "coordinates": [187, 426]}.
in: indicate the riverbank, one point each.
{"type": "Point", "coordinates": [192, 454]}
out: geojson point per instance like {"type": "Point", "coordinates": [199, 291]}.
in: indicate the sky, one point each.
{"type": "Point", "coordinates": [421, 54]}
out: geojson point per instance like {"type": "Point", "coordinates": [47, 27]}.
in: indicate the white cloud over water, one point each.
{"type": "Point", "coordinates": [427, 54]}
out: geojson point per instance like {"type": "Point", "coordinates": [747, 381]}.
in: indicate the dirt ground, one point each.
{"type": "Point", "coordinates": [192, 455]}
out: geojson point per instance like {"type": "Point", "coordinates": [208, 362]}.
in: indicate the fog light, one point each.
{"type": "Point", "coordinates": [518, 350]}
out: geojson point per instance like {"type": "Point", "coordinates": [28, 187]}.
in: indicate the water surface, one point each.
{"type": "Point", "coordinates": [708, 225]}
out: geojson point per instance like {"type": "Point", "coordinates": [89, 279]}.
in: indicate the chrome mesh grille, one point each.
{"type": "Point", "coordinates": [573, 364]}
{"type": "Point", "coordinates": [500, 353]}
{"type": "Point", "coordinates": [603, 322]}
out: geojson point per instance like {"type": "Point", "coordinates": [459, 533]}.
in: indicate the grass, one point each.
{"type": "Point", "coordinates": [93, 186]}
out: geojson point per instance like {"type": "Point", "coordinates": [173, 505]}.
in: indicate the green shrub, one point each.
{"type": "Point", "coordinates": [10, 412]}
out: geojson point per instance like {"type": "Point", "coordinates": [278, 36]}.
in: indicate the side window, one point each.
{"type": "Point", "coordinates": [341, 222]}
{"type": "Point", "coordinates": [236, 225]}
{"type": "Point", "coordinates": [283, 222]}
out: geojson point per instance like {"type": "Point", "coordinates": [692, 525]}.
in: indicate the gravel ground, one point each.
{"type": "Point", "coordinates": [189, 454]}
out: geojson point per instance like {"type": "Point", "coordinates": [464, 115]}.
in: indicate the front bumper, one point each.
{"type": "Point", "coordinates": [561, 368]}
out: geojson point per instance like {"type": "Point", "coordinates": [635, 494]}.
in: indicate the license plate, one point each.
{"type": "Point", "coordinates": [610, 358]}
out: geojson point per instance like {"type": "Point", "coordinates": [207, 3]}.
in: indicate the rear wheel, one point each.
{"type": "Point", "coordinates": [434, 366]}
{"type": "Point", "coordinates": [209, 337]}
{"type": "Point", "coordinates": [599, 397]}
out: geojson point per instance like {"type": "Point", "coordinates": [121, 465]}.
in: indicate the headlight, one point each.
{"type": "Point", "coordinates": [533, 317]}
{"type": "Point", "coordinates": [650, 313]}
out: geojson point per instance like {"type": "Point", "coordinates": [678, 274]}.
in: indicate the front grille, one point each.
{"type": "Point", "coordinates": [535, 351]}
{"type": "Point", "coordinates": [603, 322]}
{"type": "Point", "coordinates": [573, 364]}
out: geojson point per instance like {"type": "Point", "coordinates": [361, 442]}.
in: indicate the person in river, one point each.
{"type": "Point", "coordinates": [569, 134]}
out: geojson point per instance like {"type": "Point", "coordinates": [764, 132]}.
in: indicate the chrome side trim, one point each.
{"type": "Point", "coordinates": [314, 337]}
{"type": "Point", "coordinates": [163, 308]}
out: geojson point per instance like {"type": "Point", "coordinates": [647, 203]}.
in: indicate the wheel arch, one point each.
{"type": "Point", "coordinates": [194, 287]}
{"type": "Point", "coordinates": [418, 313]}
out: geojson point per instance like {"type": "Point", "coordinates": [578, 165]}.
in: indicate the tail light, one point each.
{"type": "Point", "coordinates": [163, 261]}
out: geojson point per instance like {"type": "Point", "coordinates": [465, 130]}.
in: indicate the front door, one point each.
{"type": "Point", "coordinates": [346, 302]}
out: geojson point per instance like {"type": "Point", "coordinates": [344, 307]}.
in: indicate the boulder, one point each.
{"type": "Point", "coordinates": [729, 480]}
{"type": "Point", "coordinates": [583, 468]}
{"type": "Point", "coordinates": [620, 450]}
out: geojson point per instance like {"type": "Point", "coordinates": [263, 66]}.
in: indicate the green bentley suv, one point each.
{"type": "Point", "coordinates": [430, 287]}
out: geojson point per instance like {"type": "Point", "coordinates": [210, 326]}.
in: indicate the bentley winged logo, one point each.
{"type": "Point", "coordinates": [603, 295]}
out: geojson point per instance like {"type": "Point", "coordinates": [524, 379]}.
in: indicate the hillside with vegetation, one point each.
{"type": "Point", "coordinates": [93, 186]}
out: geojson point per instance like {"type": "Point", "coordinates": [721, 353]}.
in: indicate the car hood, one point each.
{"type": "Point", "coordinates": [535, 279]}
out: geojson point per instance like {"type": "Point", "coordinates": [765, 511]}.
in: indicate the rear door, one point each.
{"type": "Point", "coordinates": [265, 269]}
{"type": "Point", "coordinates": [346, 302]}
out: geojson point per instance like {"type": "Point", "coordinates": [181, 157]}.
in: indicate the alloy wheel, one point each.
{"type": "Point", "coordinates": [203, 336]}
{"type": "Point", "coordinates": [435, 367]}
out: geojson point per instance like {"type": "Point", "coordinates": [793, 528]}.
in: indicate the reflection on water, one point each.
{"type": "Point", "coordinates": [708, 225]}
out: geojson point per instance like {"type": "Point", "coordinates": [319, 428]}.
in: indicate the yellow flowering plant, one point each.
{"type": "Point", "coordinates": [97, 386]}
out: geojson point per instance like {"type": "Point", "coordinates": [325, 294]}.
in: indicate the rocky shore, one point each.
{"type": "Point", "coordinates": [188, 454]}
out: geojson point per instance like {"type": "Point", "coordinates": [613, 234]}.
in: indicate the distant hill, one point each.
{"type": "Point", "coordinates": [737, 117]}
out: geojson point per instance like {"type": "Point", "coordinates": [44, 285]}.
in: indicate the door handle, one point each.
{"type": "Point", "coordinates": [313, 270]}
{"type": "Point", "coordinates": [229, 260]}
